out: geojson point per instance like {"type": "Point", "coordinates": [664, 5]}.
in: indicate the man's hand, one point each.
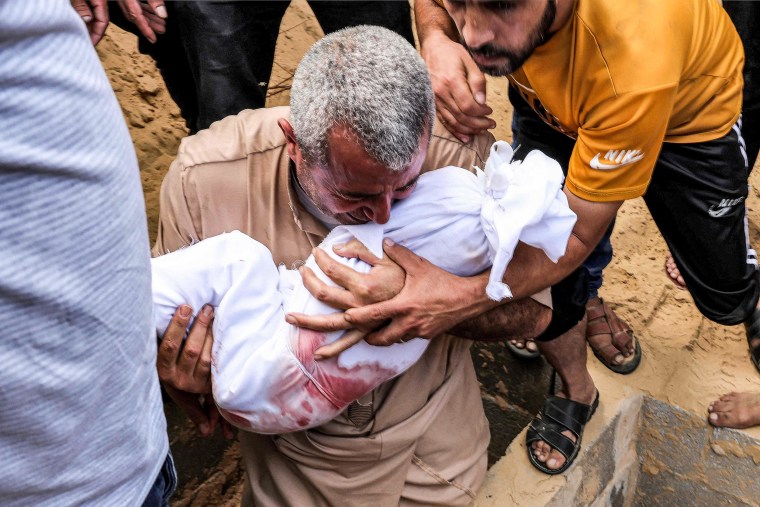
{"type": "Point", "coordinates": [185, 368]}
{"type": "Point", "coordinates": [459, 87]}
{"type": "Point", "coordinates": [431, 302]}
{"type": "Point", "coordinates": [149, 16]}
{"type": "Point", "coordinates": [384, 280]}
{"type": "Point", "coordinates": [94, 13]}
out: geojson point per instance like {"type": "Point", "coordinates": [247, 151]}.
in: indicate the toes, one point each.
{"type": "Point", "coordinates": [623, 342]}
{"type": "Point", "coordinates": [714, 418]}
{"type": "Point", "coordinates": [555, 461]}
{"type": "Point", "coordinates": [674, 273]}
{"type": "Point", "coordinates": [721, 411]}
{"type": "Point", "coordinates": [724, 419]}
{"type": "Point", "coordinates": [609, 353]}
{"type": "Point", "coordinates": [720, 406]}
{"type": "Point", "coordinates": [531, 346]}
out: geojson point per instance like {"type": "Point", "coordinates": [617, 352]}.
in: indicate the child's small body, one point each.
{"type": "Point", "coordinates": [264, 375]}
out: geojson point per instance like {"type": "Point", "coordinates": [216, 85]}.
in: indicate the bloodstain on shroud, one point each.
{"type": "Point", "coordinates": [317, 394]}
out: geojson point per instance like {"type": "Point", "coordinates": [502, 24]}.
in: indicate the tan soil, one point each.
{"type": "Point", "coordinates": [688, 361]}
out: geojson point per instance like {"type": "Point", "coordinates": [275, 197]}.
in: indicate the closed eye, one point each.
{"type": "Point", "coordinates": [409, 186]}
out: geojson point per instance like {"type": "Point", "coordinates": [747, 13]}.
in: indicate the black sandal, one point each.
{"type": "Point", "coordinates": [558, 415]}
{"type": "Point", "coordinates": [753, 333]}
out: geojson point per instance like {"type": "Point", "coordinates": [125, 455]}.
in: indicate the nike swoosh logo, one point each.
{"type": "Point", "coordinates": [718, 212]}
{"type": "Point", "coordinates": [616, 159]}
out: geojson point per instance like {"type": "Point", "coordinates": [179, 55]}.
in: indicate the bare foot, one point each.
{"type": "Point", "coordinates": [735, 410]}
{"type": "Point", "coordinates": [673, 273]}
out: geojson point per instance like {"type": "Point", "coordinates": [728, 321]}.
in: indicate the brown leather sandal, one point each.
{"type": "Point", "coordinates": [602, 321]}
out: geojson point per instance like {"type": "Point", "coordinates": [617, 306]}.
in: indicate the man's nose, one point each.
{"type": "Point", "coordinates": [476, 29]}
{"type": "Point", "coordinates": [381, 209]}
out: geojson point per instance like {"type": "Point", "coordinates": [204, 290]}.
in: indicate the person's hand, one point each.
{"type": "Point", "coordinates": [185, 368]}
{"type": "Point", "coordinates": [431, 302]}
{"type": "Point", "coordinates": [384, 281]}
{"type": "Point", "coordinates": [94, 13]}
{"type": "Point", "coordinates": [186, 365]}
{"type": "Point", "coordinates": [459, 87]}
{"type": "Point", "coordinates": [148, 16]}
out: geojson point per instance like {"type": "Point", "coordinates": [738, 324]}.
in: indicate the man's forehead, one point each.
{"type": "Point", "coordinates": [365, 181]}
{"type": "Point", "coordinates": [347, 158]}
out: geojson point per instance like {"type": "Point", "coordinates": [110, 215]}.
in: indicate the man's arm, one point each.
{"type": "Point", "coordinates": [520, 320]}
{"type": "Point", "coordinates": [458, 84]}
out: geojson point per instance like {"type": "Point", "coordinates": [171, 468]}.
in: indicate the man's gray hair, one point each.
{"type": "Point", "coordinates": [371, 81]}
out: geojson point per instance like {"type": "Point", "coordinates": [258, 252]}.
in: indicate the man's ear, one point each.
{"type": "Point", "coordinates": [290, 137]}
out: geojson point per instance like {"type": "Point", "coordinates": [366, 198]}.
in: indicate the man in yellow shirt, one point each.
{"type": "Point", "coordinates": [648, 95]}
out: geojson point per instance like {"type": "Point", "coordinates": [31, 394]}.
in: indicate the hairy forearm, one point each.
{"type": "Point", "coordinates": [529, 272]}
{"type": "Point", "coordinates": [520, 320]}
{"type": "Point", "coordinates": [433, 19]}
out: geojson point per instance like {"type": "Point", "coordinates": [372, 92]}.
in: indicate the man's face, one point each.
{"type": "Point", "coordinates": [501, 35]}
{"type": "Point", "coordinates": [356, 189]}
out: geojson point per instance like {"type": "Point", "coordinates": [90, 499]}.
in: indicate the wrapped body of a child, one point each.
{"type": "Point", "coordinates": [264, 375]}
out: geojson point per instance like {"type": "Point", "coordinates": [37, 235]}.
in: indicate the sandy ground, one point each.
{"type": "Point", "coordinates": [688, 360]}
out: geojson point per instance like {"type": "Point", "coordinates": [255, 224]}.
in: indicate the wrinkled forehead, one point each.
{"type": "Point", "coordinates": [346, 151]}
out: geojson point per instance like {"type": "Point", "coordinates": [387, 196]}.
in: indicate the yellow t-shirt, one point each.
{"type": "Point", "coordinates": [623, 76]}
